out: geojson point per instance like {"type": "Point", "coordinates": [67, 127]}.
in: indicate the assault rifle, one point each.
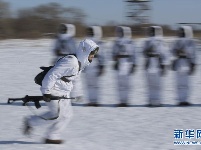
{"type": "Point", "coordinates": [34, 99]}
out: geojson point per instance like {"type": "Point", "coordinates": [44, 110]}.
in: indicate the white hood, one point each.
{"type": "Point", "coordinates": [70, 31]}
{"type": "Point", "coordinates": [97, 32]}
{"type": "Point", "coordinates": [158, 31]}
{"type": "Point", "coordinates": [187, 31]}
{"type": "Point", "coordinates": [84, 49]}
{"type": "Point", "coordinates": [127, 33]}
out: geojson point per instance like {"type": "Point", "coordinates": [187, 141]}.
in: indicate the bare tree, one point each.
{"type": "Point", "coordinates": [49, 11]}
{"type": "Point", "coordinates": [74, 15]}
{"type": "Point", "coordinates": [46, 18]}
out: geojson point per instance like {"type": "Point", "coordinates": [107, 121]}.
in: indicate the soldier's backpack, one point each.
{"type": "Point", "coordinates": [39, 77]}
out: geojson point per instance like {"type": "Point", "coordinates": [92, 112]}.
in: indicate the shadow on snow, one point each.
{"type": "Point", "coordinates": [135, 105]}
{"type": "Point", "coordinates": [104, 105]}
{"type": "Point", "coordinates": [17, 142]}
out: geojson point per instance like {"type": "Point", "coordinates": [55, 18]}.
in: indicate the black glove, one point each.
{"type": "Point", "coordinates": [132, 69]}
{"type": "Point", "coordinates": [101, 70]}
{"type": "Point", "coordinates": [192, 68]}
{"type": "Point", "coordinates": [116, 65]}
{"type": "Point", "coordinates": [47, 97]}
{"type": "Point", "coordinates": [146, 64]}
{"type": "Point", "coordinates": [162, 67]}
{"type": "Point", "coordinates": [173, 66]}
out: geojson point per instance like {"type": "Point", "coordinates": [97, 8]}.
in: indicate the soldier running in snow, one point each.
{"type": "Point", "coordinates": [58, 82]}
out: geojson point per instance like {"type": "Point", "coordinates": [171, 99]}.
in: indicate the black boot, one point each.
{"type": "Point", "coordinates": [122, 105]}
{"type": "Point", "coordinates": [49, 141]}
{"type": "Point", "coordinates": [184, 104]}
{"type": "Point", "coordinates": [93, 104]}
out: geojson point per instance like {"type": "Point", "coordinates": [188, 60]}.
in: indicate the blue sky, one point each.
{"type": "Point", "coordinates": [102, 11]}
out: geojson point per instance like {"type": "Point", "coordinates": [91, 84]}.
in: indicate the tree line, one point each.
{"type": "Point", "coordinates": [36, 21]}
{"type": "Point", "coordinates": [33, 22]}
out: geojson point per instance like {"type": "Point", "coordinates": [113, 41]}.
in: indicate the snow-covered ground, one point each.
{"type": "Point", "coordinates": [93, 128]}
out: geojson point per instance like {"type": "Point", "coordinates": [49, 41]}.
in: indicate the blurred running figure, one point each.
{"type": "Point", "coordinates": [96, 68]}
{"type": "Point", "coordinates": [154, 51]}
{"type": "Point", "coordinates": [124, 58]}
{"type": "Point", "coordinates": [184, 62]}
{"type": "Point", "coordinates": [65, 45]}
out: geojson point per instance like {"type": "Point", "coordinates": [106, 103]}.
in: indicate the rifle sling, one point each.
{"type": "Point", "coordinates": [64, 79]}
